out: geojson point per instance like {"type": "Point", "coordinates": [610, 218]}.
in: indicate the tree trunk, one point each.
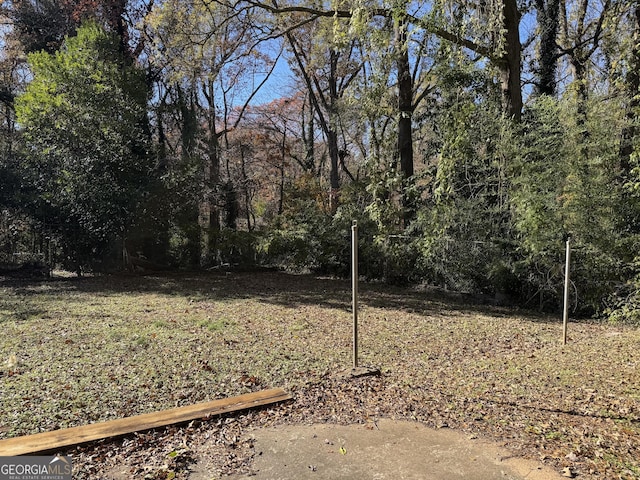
{"type": "Point", "coordinates": [308, 133]}
{"type": "Point", "coordinates": [580, 81]}
{"type": "Point", "coordinates": [189, 123]}
{"type": "Point", "coordinates": [116, 18]}
{"type": "Point", "coordinates": [510, 63]}
{"type": "Point", "coordinates": [334, 179]}
{"type": "Point", "coordinates": [245, 187]}
{"type": "Point", "coordinates": [209, 215]}
{"type": "Point", "coordinates": [405, 124]}
{"type": "Point", "coordinates": [281, 188]}
{"type": "Point", "coordinates": [328, 125]}
{"type": "Point", "coordinates": [405, 110]}
{"type": "Point", "coordinates": [547, 13]}
{"type": "Point", "coordinates": [332, 134]}
{"type": "Point", "coordinates": [630, 130]}
{"type": "Point", "coordinates": [162, 163]}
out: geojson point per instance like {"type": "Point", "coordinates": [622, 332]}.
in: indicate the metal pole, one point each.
{"type": "Point", "coordinates": [565, 315]}
{"type": "Point", "coordinates": [354, 288]}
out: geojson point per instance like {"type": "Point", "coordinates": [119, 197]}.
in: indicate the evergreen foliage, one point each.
{"type": "Point", "coordinates": [466, 214]}
{"type": "Point", "coordinates": [564, 184]}
{"type": "Point", "coordinates": [86, 142]}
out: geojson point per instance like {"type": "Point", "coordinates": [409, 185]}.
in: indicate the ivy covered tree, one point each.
{"type": "Point", "coordinates": [555, 194]}
{"type": "Point", "coordinates": [86, 141]}
{"type": "Point", "coordinates": [465, 243]}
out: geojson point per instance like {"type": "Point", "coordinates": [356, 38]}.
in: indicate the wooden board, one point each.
{"type": "Point", "coordinates": [57, 439]}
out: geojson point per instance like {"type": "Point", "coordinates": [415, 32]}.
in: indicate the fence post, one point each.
{"type": "Point", "coordinates": [354, 289]}
{"type": "Point", "coordinates": [565, 314]}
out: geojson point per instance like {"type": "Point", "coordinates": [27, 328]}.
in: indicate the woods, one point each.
{"type": "Point", "coordinates": [468, 140]}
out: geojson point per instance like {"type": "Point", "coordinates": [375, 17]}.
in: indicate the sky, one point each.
{"type": "Point", "coordinates": [281, 82]}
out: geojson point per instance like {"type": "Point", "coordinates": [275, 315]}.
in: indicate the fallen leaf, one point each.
{"type": "Point", "coordinates": [572, 457]}
{"type": "Point", "coordinates": [566, 472]}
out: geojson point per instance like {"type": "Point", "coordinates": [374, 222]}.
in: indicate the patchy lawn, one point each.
{"type": "Point", "coordinates": [76, 351]}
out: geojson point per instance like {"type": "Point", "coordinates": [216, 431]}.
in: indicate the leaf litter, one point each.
{"type": "Point", "coordinates": [79, 351]}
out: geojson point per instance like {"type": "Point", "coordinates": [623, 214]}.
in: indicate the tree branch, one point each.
{"type": "Point", "coordinates": [381, 12]}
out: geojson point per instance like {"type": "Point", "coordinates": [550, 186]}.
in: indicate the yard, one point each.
{"type": "Point", "coordinates": [77, 351]}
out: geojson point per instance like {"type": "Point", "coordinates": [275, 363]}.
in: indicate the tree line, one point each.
{"type": "Point", "coordinates": [468, 139]}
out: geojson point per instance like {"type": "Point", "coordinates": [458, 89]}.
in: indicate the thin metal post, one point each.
{"type": "Point", "coordinates": [354, 288]}
{"type": "Point", "coordinates": [565, 315]}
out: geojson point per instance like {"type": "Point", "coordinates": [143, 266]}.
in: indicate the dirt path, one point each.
{"type": "Point", "coordinates": [388, 449]}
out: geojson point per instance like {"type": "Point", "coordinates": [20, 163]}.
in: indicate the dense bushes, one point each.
{"type": "Point", "coordinates": [494, 210]}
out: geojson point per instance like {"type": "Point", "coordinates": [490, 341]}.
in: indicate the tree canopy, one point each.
{"type": "Point", "coordinates": [468, 140]}
{"type": "Point", "coordinates": [86, 139]}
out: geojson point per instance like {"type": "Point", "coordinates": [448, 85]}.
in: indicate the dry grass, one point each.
{"type": "Point", "coordinates": [76, 351]}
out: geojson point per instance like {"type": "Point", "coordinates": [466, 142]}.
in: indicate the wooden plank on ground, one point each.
{"type": "Point", "coordinates": [57, 439]}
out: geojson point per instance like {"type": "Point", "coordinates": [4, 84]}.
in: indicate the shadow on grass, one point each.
{"type": "Point", "coordinates": [21, 314]}
{"type": "Point", "coordinates": [284, 289]}
{"type": "Point", "coordinates": [488, 401]}
{"type": "Point", "coordinates": [561, 411]}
